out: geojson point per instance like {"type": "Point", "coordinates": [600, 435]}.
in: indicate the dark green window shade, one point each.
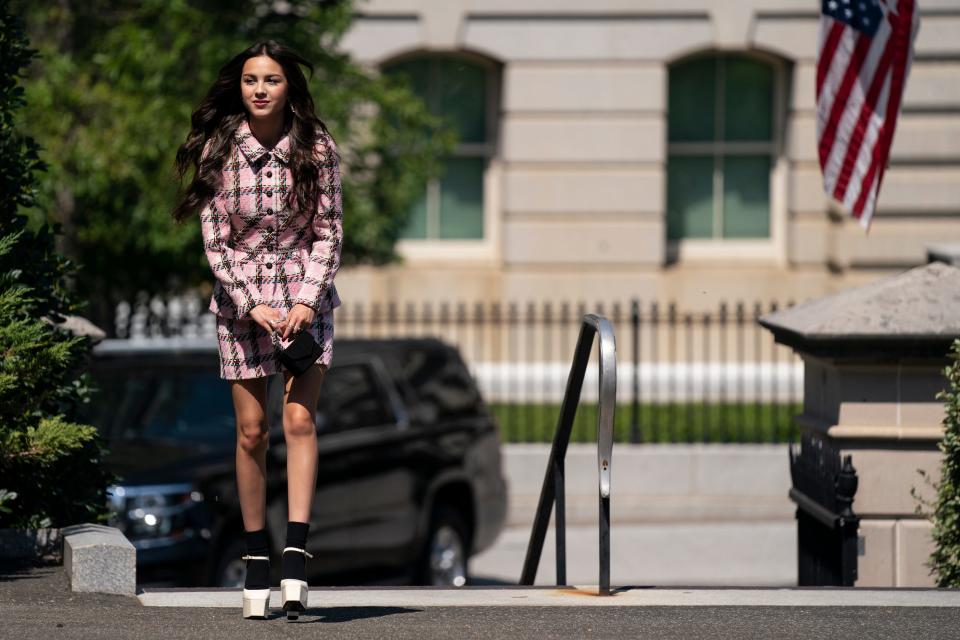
{"type": "Point", "coordinates": [692, 98]}
{"type": "Point", "coordinates": [462, 97]}
{"type": "Point", "coordinates": [461, 198]}
{"type": "Point", "coordinates": [689, 197]}
{"type": "Point", "coordinates": [461, 203]}
{"type": "Point", "coordinates": [455, 89]}
{"type": "Point", "coordinates": [452, 88]}
{"type": "Point", "coordinates": [746, 196]}
{"type": "Point", "coordinates": [417, 220]}
{"type": "Point", "coordinates": [748, 100]}
{"type": "Point", "coordinates": [715, 188]}
{"type": "Point", "coordinates": [418, 74]}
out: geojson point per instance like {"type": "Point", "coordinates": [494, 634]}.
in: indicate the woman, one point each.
{"type": "Point", "coordinates": [267, 186]}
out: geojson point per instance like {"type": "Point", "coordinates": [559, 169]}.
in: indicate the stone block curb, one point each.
{"type": "Point", "coordinates": [99, 559]}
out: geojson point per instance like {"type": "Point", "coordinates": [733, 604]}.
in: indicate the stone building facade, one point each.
{"type": "Point", "coordinates": [620, 149]}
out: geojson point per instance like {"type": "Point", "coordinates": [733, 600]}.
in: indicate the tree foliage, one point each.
{"type": "Point", "coordinates": [110, 97]}
{"type": "Point", "coordinates": [51, 471]}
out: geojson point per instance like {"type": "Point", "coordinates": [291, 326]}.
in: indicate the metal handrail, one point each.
{"type": "Point", "coordinates": [553, 491]}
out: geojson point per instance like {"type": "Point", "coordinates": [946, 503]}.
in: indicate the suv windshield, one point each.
{"type": "Point", "coordinates": [191, 406]}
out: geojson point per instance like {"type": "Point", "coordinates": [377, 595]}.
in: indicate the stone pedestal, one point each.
{"type": "Point", "coordinates": [873, 364]}
{"type": "Point", "coordinates": [99, 559]}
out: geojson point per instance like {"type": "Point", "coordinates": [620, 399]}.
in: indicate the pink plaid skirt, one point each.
{"type": "Point", "coordinates": [247, 349]}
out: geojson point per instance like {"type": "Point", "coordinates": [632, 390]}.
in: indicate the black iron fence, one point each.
{"type": "Point", "coordinates": [823, 490]}
{"type": "Point", "coordinates": [683, 376]}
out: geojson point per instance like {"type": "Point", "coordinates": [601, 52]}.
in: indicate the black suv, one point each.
{"type": "Point", "coordinates": [409, 481]}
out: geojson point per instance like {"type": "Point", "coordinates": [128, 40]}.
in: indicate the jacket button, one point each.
{"type": "Point", "coordinates": [269, 193]}
{"type": "Point", "coordinates": [270, 228]}
{"type": "Point", "coordinates": [270, 211]}
{"type": "Point", "coordinates": [269, 265]}
{"type": "Point", "coordinates": [269, 174]}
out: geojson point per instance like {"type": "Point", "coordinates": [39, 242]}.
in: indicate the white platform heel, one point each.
{"type": "Point", "coordinates": [294, 592]}
{"type": "Point", "coordinates": [255, 601]}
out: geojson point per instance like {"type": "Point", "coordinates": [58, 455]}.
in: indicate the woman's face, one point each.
{"type": "Point", "coordinates": [263, 87]}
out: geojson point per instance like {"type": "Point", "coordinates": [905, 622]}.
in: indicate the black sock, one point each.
{"type": "Point", "coordinates": [258, 571]}
{"type": "Point", "coordinates": [294, 562]}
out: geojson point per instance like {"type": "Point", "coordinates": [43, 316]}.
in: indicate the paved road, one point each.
{"type": "Point", "coordinates": [36, 603]}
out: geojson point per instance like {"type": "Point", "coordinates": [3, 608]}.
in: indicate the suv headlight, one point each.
{"type": "Point", "coordinates": [156, 511]}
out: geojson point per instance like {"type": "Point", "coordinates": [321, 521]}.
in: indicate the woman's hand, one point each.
{"type": "Point", "coordinates": [299, 317]}
{"type": "Point", "coordinates": [267, 317]}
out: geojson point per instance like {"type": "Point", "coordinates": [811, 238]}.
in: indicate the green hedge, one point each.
{"type": "Point", "coordinates": [662, 423]}
{"type": "Point", "coordinates": [51, 469]}
{"type": "Point", "coordinates": [945, 559]}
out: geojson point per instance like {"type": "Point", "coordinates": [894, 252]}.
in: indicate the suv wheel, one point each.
{"type": "Point", "coordinates": [231, 568]}
{"type": "Point", "coordinates": [443, 561]}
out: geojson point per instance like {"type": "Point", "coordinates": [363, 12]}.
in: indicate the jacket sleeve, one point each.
{"type": "Point", "coordinates": [327, 225]}
{"type": "Point", "coordinates": [215, 227]}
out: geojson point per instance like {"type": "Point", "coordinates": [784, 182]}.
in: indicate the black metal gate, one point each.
{"type": "Point", "coordinates": [823, 489]}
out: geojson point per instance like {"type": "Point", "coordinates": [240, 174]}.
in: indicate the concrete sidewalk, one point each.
{"type": "Point", "coordinates": [680, 514]}
{"type": "Point", "coordinates": [36, 603]}
{"type": "Point", "coordinates": [665, 554]}
{"type": "Point", "coordinates": [570, 596]}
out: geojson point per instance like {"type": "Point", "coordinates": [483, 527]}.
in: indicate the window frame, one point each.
{"type": "Point", "coordinates": [484, 250]}
{"type": "Point", "coordinates": [771, 249]}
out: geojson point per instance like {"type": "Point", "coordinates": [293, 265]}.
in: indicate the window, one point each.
{"type": "Point", "coordinates": [115, 402]}
{"type": "Point", "coordinates": [352, 399]}
{"type": "Point", "coordinates": [721, 147]}
{"type": "Point", "coordinates": [177, 405]}
{"type": "Point", "coordinates": [457, 89]}
{"type": "Point", "coordinates": [189, 407]}
{"type": "Point", "coordinates": [443, 386]}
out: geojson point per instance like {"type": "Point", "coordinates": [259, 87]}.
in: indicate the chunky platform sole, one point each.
{"type": "Point", "coordinates": [255, 603]}
{"type": "Point", "coordinates": [294, 592]}
{"type": "Point", "coordinates": [294, 595]}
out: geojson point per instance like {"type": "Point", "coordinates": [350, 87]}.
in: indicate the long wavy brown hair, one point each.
{"type": "Point", "coordinates": [222, 111]}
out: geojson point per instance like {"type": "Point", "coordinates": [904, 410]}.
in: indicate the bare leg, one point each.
{"type": "Point", "coordinates": [249, 401]}
{"type": "Point", "coordinates": [299, 427]}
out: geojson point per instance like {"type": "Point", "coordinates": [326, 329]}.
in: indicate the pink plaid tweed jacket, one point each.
{"type": "Point", "coordinates": [259, 251]}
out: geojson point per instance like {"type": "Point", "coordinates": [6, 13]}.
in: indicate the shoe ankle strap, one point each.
{"type": "Point", "coordinates": [254, 557]}
{"type": "Point", "coordinates": [303, 551]}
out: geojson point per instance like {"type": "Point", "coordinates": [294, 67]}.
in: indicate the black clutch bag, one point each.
{"type": "Point", "coordinates": [300, 354]}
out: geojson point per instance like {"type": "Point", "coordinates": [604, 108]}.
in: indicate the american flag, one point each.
{"type": "Point", "coordinates": [863, 57]}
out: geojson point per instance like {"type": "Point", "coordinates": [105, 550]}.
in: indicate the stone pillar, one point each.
{"type": "Point", "coordinates": [873, 362]}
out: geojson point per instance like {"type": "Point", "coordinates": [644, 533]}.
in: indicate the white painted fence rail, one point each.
{"type": "Point", "coordinates": [776, 382]}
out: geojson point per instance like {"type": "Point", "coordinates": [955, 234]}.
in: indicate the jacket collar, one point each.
{"type": "Point", "coordinates": [253, 150]}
